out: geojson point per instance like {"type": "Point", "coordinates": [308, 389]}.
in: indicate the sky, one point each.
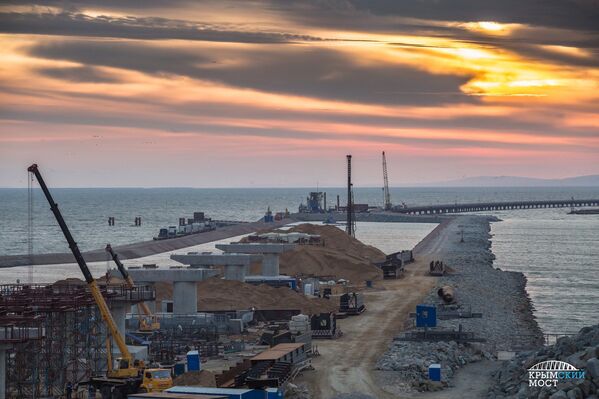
{"type": "Point", "coordinates": [161, 93]}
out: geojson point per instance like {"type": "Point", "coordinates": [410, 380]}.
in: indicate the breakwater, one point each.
{"type": "Point", "coordinates": [507, 321]}
{"type": "Point", "coordinates": [145, 248]}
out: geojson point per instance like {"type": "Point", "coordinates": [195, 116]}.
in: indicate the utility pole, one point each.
{"type": "Point", "coordinates": [350, 227]}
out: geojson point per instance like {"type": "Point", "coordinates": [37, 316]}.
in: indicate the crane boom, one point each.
{"type": "Point", "coordinates": [386, 193]}
{"type": "Point", "coordinates": [92, 284]}
{"type": "Point", "coordinates": [144, 324]}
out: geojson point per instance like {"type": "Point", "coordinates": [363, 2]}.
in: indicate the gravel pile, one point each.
{"type": "Point", "coordinates": [507, 323]}
{"type": "Point", "coordinates": [300, 391]}
{"type": "Point", "coordinates": [581, 351]}
{"type": "Point", "coordinates": [411, 360]}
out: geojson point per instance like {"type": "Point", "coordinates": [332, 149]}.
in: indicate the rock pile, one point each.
{"type": "Point", "coordinates": [297, 392]}
{"type": "Point", "coordinates": [581, 351]}
{"type": "Point", "coordinates": [411, 360]}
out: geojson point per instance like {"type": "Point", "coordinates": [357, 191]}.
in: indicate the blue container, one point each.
{"type": "Point", "coordinates": [229, 393]}
{"type": "Point", "coordinates": [369, 283]}
{"type": "Point", "coordinates": [179, 369]}
{"type": "Point", "coordinates": [193, 361]}
{"type": "Point", "coordinates": [274, 393]}
{"type": "Point", "coordinates": [426, 316]}
{"type": "Point", "coordinates": [434, 372]}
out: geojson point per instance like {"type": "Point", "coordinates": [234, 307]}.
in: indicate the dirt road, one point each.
{"type": "Point", "coordinates": [346, 365]}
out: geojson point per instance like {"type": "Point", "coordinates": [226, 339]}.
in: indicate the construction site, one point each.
{"type": "Point", "coordinates": [242, 320]}
{"type": "Point", "coordinates": [289, 310]}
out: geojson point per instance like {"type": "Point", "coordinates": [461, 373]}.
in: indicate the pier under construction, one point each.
{"type": "Point", "coordinates": [52, 334]}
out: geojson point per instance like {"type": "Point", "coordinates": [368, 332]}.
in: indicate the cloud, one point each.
{"type": "Point", "coordinates": [78, 74]}
{"type": "Point", "coordinates": [569, 14]}
{"type": "Point", "coordinates": [150, 123]}
{"type": "Point", "coordinates": [146, 28]}
{"type": "Point", "coordinates": [304, 71]}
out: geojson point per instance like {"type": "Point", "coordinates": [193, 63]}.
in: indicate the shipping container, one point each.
{"type": "Point", "coordinates": [230, 393]}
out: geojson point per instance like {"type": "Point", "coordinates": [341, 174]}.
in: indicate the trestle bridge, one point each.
{"type": "Point", "coordinates": [495, 206]}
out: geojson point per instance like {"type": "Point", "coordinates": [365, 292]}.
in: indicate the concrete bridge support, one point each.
{"type": "Point", "coordinates": [119, 314]}
{"type": "Point", "coordinates": [235, 272]}
{"type": "Point", "coordinates": [270, 265]}
{"type": "Point", "coordinates": [270, 253]}
{"type": "Point", "coordinates": [184, 280]}
{"type": "Point", "coordinates": [185, 297]}
{"type": "Point", "coordinates": [236, 266]}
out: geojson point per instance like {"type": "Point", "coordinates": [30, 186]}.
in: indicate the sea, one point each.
{"type": "Point", "coordinates": [558, 252]}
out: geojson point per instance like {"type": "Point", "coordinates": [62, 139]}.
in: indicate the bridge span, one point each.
{"type": "Point", "coordinates": [494, 206]}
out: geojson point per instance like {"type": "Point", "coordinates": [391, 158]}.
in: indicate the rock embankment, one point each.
{"type": "Point", "coordinates": [581, 351]}
{"type": "Point", "coordinates": [507, 322]}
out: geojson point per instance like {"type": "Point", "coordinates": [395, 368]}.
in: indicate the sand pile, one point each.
{"type": "Point", "coordinates": [218, 294]}
{"type": "Point", "coordinates": [203, 378]}
{"type": "Point", "coordinates": [335, 238]}
{"type": "Point", "coordinates": [341, 256]}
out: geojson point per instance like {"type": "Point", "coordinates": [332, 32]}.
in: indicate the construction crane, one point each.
{"type": "Point", "coordinates": [148, 322]}
{"type": "Point", "coordinates": [386, 193]}
{"type": "Point", "coordinates": [129, 376]}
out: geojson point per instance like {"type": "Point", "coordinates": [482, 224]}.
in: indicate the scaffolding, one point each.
{"type": "Point", "coordinates": [55, 334]}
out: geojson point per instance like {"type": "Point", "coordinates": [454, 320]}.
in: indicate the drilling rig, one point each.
{"type": "Point", "coordinates": [350, 227]}
{"type": "Point", "coordinates": [386, 193]}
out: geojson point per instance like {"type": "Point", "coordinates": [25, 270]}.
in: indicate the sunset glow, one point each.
{"type": "Point", "coordinates": [113, 86]}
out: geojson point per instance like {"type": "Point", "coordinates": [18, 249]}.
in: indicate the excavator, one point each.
{"type": "Point", "coordinates": [126, 376]}
{"type": "Point", "coordinates": [148, 322]}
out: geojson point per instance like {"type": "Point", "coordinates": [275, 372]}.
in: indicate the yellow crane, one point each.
{"type": "Point", "coordinates": [148, 322]}
{"type": "Point", "coordinates": [128, 376]}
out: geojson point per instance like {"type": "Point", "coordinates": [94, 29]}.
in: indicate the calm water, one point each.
{"type": "Point", "coordinates": [559, 253]}
{"type": "Point", "coordinates": [87, 210]}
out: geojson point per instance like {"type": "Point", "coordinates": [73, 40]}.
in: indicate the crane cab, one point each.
{"type": "Point", "coordinates": [149, 323]}
{"type": "Point", "coordinates": [122, 368]}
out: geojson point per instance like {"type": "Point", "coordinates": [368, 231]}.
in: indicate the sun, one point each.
{"type": "Point", "coordinates": [490, 27]}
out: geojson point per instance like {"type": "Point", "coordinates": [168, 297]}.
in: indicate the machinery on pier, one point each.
{"type": "Point", "coordinates": [148, 322]}
{"type": "Point", "coordinates": [386, 194]}
{"type": "Point", "coordinates": [128, 376]}
{"type": "Point", "coordinates": [350, 227]}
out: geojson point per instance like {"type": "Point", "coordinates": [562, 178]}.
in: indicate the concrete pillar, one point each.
{"type": "Point", "coordinates": [119, 314]}
{"type": "Point", "coordinates": [3, 371]}
{"type": "Point", "coordinates": [270, 264]}
{"type": "Point", "coordinates": [235, 272]}
{"type": "Point", "coordinates": [185, 297]}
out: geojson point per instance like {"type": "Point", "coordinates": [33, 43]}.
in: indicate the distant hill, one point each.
{"type": "Point", "coordinates": [515, 181]}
